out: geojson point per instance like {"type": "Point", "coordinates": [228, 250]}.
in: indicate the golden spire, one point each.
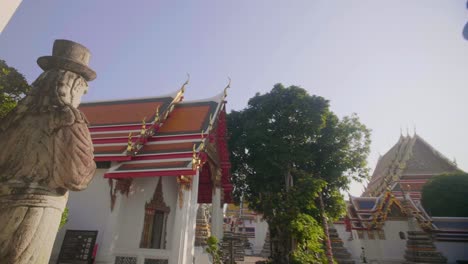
{"type": "Point", "coordinates": [130, 143]}
{"type": "Point", "coordinates": [156, 115]}
{"type": "Point", "coordinates": [227, 86]}
{"type": "Point", "coordinates": [143, 126]}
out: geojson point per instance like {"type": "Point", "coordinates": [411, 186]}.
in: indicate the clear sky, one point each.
{"type": "Point", "coordinates": [397, 64]}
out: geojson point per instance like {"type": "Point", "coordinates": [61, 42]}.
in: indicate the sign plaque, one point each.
{"type": "Point", "coordinates": [77, 247]}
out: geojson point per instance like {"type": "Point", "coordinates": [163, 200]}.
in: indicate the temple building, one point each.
{"type": "Point", "coordinates": [388, 223]}
{"type": "Point", "coordinates": [157, 160]}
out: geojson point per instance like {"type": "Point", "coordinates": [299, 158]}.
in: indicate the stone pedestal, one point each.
{"type": "Point", "coordinates": [202, 229]}
{"type": "Point", "coordinates": [266, 251]}
{"type": "Point", "coordinates": [421, 249]}
{"type": "Point", "coordinates": [340, 253]}
{"type": "Point", "coordinates": [233, 245]}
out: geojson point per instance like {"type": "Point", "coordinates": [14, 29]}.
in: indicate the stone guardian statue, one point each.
{"type": "Point", "coordinates": [45, 151]}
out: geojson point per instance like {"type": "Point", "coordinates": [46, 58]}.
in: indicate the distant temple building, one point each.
{"type": "Point", "coordinates": [241, 219]}
{"type": "Point", "coordinates": [158, 159]}
{"type": "Point", "coordinates": [388, 224]}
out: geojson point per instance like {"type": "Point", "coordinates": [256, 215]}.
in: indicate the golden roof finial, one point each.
{"type": "Point", "coordinates": [185, 83]}
{"type": "Point", "coordinates": [143, 126]}
{"type": "Point", "coordinates": [130, 143]}
{"type": "Point", "coordinates": [227, 86]}
{"type": "Point", "coordinates": [156, 115]}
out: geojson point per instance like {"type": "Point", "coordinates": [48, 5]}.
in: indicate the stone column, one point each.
{"type": "Point", "coordinates": [184, 226]}
{"type": "Point", "coordinates": [217, 214]}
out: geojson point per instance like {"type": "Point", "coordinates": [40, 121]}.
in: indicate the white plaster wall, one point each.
{"type": "Point", "coordinates": [132, 211]}
{"type": "Point", "coordinates": [261, 228]}
{"type": "Point", "coordinates": [453, 251]}
{"type": "Point", "coordinates": [353, 246]}
{"type": "Point", "coordinates": [88, 210]}
{"type": "Point", "coordinates": [201, 257]}
{"type": "Point", "coordinates": [389, 250]}
{"type": "Point", "coordinates": [119, 232]}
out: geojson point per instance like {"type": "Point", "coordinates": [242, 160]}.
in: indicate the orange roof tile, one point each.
{"type": "Point", "coordinates": [153, 165]}
{"type": "Point", "coordinates": [189, 118]}
{"type": "Point", "coordinates": [123, 112]}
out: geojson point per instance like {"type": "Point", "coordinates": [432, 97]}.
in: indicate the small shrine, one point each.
{"type": "Point", "coordinates": [388, 223]}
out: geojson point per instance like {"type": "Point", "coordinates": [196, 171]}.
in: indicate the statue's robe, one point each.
{"type": "Point", "coordinates": [42, 156]}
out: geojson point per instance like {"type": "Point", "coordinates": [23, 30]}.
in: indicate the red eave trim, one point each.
{"type": "Point", "coordinates": [152, 139]}
{"type": "Point", "coordinates": [115, 128]}
{"type": "Point", "coordinates": [164, 156]}
{"type": "Point", "coordinates": [175, 137]}
{"type": "Point", "coordinates": [143, 174]}
{"type": "Point", "coordinates": [113, 158]}
{"type": "Point", "coordinates": [123, 140]}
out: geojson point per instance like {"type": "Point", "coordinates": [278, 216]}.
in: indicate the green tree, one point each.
{"type": "Point", "coordinates": [214, 250]}
{"type": "Point", "coordinates": [445, 195]}
{"type": "Point", "coordinates": [287, 150]}
{"type": "Point", "coordinates": [13, 86]}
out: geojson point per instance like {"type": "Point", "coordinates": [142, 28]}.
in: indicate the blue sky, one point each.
{"type": "Point", "coordinates": [397, 64]}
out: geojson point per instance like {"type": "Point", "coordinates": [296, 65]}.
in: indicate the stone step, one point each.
{"type": "Point", "coordinates": [345, 261]}
{"type": "Point", "coordinates": [419, 259]}
{"type": "Point", "coordinates": [342, 255]}
{"type": "Point", "coordinates": [420, 238]}
{"type": "Point", "coordinates": [419, 242]}
{"type": "Point", "coordinates": [417, 233]}
{"type": "Point", "coordinates": [427, 253]}
{"type": "Point", "coordinates": [427, 247]}
{"type": "Point", "coordinates": [339, 250]}
{"type": "Point", "coordinates": [337, 244]}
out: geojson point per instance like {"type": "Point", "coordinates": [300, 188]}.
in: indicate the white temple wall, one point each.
{"type": "Point", "coordinates": [353, 246]}
{"type": "Point", "coordinates": [88, 210]}
{"type": "Point", "coordinates": [388, 250]}
{"type": "Point", "coordinates": [119, 232]}
{"type": "Point", "coordinates": [453, 251]}
{"type": "Point", "coordinates": [261, 229]}
{"type": "Point", "coordinates": [132, 213]}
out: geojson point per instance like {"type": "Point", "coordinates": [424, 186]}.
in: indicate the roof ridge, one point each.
{"type": "Point", "coordinates": [146, 133]}
{"type": "Point", "coordinates": [172, 94]}
{"type": "Point", "coordinates": [436, 152]}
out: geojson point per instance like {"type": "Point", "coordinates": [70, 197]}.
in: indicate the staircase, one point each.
{"type": "Point", "coordinates": [421, 249]}
{"type": "Point", "coordinates": [266, 253]}
{"type": "Point", "coordinates": [340, 253]}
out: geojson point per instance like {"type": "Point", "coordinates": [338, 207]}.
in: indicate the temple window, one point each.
{"type": "Point", "coordinates": [154, 226]}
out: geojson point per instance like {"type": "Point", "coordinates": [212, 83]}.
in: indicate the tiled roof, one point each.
{"type": "Point", "coordinates": [409, 158]}
{"type": "Point", "coordinates": [158, 136]}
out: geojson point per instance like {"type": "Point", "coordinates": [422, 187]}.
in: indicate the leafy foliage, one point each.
{"type": "Point", "coordinates": [288, 134]}
{"type": "Point", "coordinates": [13, 86]}
{"type": "Point", "coordinates": [445, 195]}
{"type": "Point", "coordinates": [64, 218]}
{"type": "Point", "coordinates": [308, 234]}
{"type": "Point", "coordinates": [214, 250]}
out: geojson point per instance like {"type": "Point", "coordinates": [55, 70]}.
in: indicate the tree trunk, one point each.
{"type": "Point", "coordinates": [328, 248]}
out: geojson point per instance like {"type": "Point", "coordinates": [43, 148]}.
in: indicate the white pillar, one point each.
{"type": "Point", "coordinates": [8, 8]}
{"type": "Point", "coordinates": [110, 234]}
{"type": "Point", "coordinates": [217, 214]}
{"type": "Point", "coordinates": [184, 226]}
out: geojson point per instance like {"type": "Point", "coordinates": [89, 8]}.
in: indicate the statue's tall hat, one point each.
{"type": "Point", "coordinates": [68, 55]}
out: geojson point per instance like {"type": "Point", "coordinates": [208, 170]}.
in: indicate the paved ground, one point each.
{"type": "Point", "coordinates": [250, 260]}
